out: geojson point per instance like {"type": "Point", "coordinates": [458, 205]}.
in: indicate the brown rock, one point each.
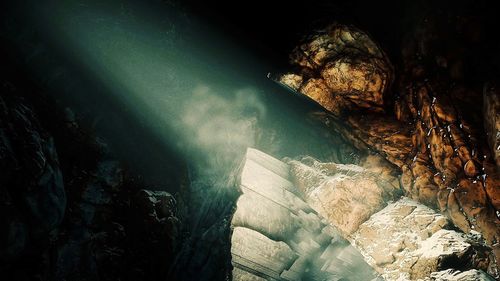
{"type": "Point", "coordinates": [432, 138]}
{"type": "Point", "coordinates": [346, 195]}
{"type": "Point", "coordinates": [350, 66]}
{"type": "Point", "coordinates": [491, 109]}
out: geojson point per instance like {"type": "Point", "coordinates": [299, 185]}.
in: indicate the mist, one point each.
{"type": "Point", "coordinates": [163, 88]}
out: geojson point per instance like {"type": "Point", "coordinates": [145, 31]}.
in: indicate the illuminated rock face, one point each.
{"type": "Point", "coordinates": [451, 275]}
{"type": "Point", "coordinates": [346, 63]}
{"type": "Point", "coordinates": [403, 240]}
{"type": "Point", "coordinates": [279, 232]}
{"type": "Point", "coordinates": [408, 241]}
{"type": "Point", "coordinates": [346, 195]}
{"type": "Point", "coordinates": [436, 142]}
{"type": "Point", "coordinates": [278, 236]}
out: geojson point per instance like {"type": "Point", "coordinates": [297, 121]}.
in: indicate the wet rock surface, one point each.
{"type": "Point", "coordinates": [434, 133]}
{"type": "Point", "coordinates": [401, 238]}
{"type": "Point", "coordinates": [491, 109]}
{"type": "Point", "coordinates": [346, 195]}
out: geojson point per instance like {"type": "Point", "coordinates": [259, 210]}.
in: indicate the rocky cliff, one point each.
{"type": "Point", "coordinates": [428, 126]}
{"type": "Point", "coordinates": [70, 209]}
{"type": "Point", "coordinates": [306, 219]}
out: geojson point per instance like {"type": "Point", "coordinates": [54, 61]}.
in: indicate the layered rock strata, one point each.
{"type": "Point", "coordinates": [278, 236]}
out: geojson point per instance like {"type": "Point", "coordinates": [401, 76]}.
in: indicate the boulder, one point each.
{"type": "Point", "coordinates": [346, 195]}
{"type": "Point", "coordinates": [456, 275]}
{"type": "Point", "coordinates": [278, 236]}
{"type": "Point", "coordinates": [156, 212]}
{"type": "Point", "coordinates": [351, 67]}
{"type": "Point", "coordinates": [408, 241]}
{"type": "Point", "coordinates": [433, 136]}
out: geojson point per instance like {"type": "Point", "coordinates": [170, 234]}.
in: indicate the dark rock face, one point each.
{"type": "Point", "coordinates": [79, 215]}
{"type": "Point", "coordinates": [491, 109]}
{"type": "Point", "coordinates": [31, 183]}
{"type": "Point", "coordinates": [115, 228]}
{"type": "Point", "coordinates": [157, 230]}
{"type": "Point", "coordinates": [279, 236]}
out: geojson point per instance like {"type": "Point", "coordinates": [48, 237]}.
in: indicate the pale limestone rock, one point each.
{"type": "Point", "coordinates": [346, 195]}
{"type": "Point", "coordinates": [408, 241]}
{"type": "Point", "coordinates": [403, 241]}
{"type": "Point", "coordinates": [249, 246]}
{"type": "Point", "coordinates": [278, 236]}
{"type": "Point", "coordinates": [241, 275]}
{"type": "Point", "coordinates": [432, 251]}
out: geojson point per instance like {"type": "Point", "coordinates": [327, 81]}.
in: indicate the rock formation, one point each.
{"type": "Point", "coordinates": [409, 241]}
{"type": "Point", "coordinates": [432, 136]}
{"type": "Point", "coordinates": [31, 183]}
{"type": "Point", "coordinates": [70, 210]}
{"type": "Point", "coordinates": [491, 110]}
{"type": "Point", "coordinates": [278, 236]}
{"type": "Point", "coordinates": [346, 195]}
{"type": "Point", "coordinates": [401, 238]}
{"type": "Point", "coordinates": [294, 219]}
{"type": "Point", "coordinates": [453, 275]}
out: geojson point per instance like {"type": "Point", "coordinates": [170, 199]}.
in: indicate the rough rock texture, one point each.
{"type": "Point", "coordinates": [346, 195]}
{"type": "Point", "coordinates": [347, 63]}
{"type": "Point", "coordinates": [491, 108]}
{"type": "Point", "coordinates": [452, 167]}
{"type": "Point", "coordinates": [33, 199]}
{"type": "Point", "coordinates": [453, 275]}
{"type": "Point", "coordinates": [355, 96]}
{"type": "Point", "coordinates": [403, 241]}
{"type": "Point", "coordinates": [447, 170]}
{"type": "Point", "coordinates": [115, 229]}
{"type": "Point", "coordinates": [156, 231]}
{"type": "Point", "coordinates": [433, 135]}
{"type": "Point", "coordinates": [278, 236]}
{"type": "Point", "coordinates": [408, 241]}
{"type": "Point", "coordinates": [75, 214]}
